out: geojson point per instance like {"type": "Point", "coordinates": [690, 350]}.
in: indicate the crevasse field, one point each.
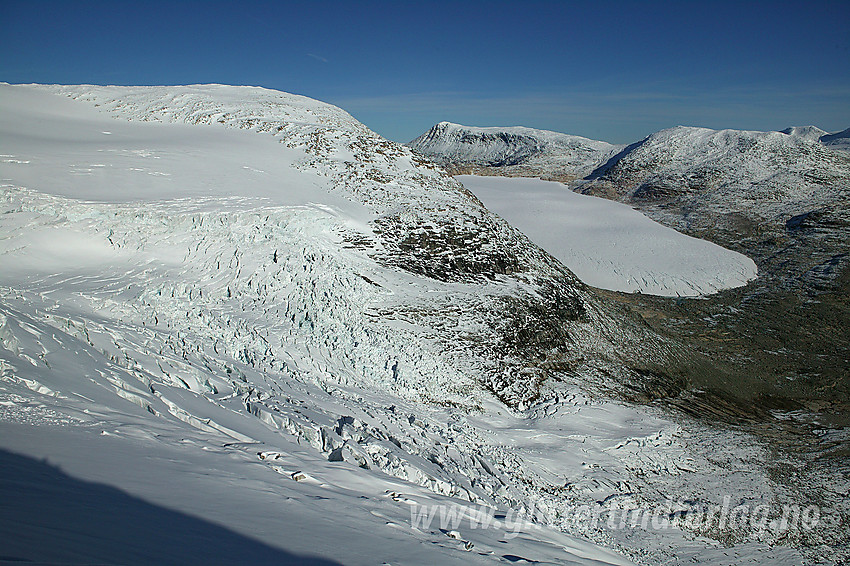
{"type": "Point", "coordinates": [201, 363]}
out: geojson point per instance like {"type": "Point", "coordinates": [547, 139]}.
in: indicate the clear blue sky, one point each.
{"type": "Point", "coordinates": [615, 71]}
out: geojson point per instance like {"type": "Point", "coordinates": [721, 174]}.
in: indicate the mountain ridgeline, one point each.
{"type": "Point", "coordinates": [780, 198]}
{"type": "Point", "coordinates": [516, 151]}
{"type": "Point", "coordinates": [250, 289]}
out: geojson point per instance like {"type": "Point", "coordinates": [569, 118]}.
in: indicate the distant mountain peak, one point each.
{"type": "Point", "coordinates": [839, 140]}
{"type": "Point", "coordinates": [519, 147]}
{"type": "Point", "coordinates": [812, 133]}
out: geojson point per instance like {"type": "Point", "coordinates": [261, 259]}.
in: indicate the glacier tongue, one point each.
{"type": "Point", "coordinates": [610, 245]}
{"type": "Point", "coordinates": [313, 305]}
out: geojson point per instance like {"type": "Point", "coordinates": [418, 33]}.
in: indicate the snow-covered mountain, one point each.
{"type": "Point", "coordinates": [811, 133]}
{"type": "Point", "coordinates": [243, 306]}
{"type": "Point", "coordinates": [781, 199]}
{"type": "Point", "coordinates": [839, 140]}
{"type": "Point", "coordinates": [763, 173]}
{"type": "Point", "coordinates": [516, 151]}
{"type": "Point", "coordinates": [727, 186]}
{"type": "Point", "coordinates": [747, 190]}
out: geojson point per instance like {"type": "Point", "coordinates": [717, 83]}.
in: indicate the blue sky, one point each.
{"type": "Point", "coordinates": [615, 71]}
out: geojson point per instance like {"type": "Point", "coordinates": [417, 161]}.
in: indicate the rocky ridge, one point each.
{"type": "Point", "coordinates": [778, 197]}
{"type": "Point", "coordinates": [779, 346]}
{"type": "Point", "coordinates": [515, 151]}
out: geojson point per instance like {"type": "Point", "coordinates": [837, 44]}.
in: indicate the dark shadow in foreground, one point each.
{"type": "Point", "coordinates": [47, 516]}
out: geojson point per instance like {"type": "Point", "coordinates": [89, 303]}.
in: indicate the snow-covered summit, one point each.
{"type": "Point", "coordinates": [325, 148]}
{"type": "Point", "coordinates": [731, 186]}
{"type": "Point", "coordinates": [838, 140]}
{"type": "Point", "coordinates": [811, 133]}
{"type": "Point", "coordinates": [764, 173]}
{"type": "Point", "coordinates": [513, 148]}
{"type": "Point", "coordinates": [240, 106]}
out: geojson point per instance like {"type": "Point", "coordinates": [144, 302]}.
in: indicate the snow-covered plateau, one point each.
{"type": "Point", "coordinates": [236, 326]}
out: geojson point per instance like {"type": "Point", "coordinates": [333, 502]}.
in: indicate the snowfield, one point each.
{"type": "Point", "coordinates": [608, 244]}
{"type": "Point", "coordinates": [236, 326]}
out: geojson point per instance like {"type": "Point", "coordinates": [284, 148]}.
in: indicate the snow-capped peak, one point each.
{"type": "Point", "coordinates": [812, 133]}
{"type": "Point", "coordinates": [515, 146]}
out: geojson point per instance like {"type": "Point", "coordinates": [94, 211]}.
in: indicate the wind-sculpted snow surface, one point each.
{"type": "Point", "coordinates": [253, 289]}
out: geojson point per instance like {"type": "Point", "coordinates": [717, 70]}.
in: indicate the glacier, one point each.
{"type": "Point", "coordinates": [611, 245]}
{"type": "Point", "coordinates": [243, 307]}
